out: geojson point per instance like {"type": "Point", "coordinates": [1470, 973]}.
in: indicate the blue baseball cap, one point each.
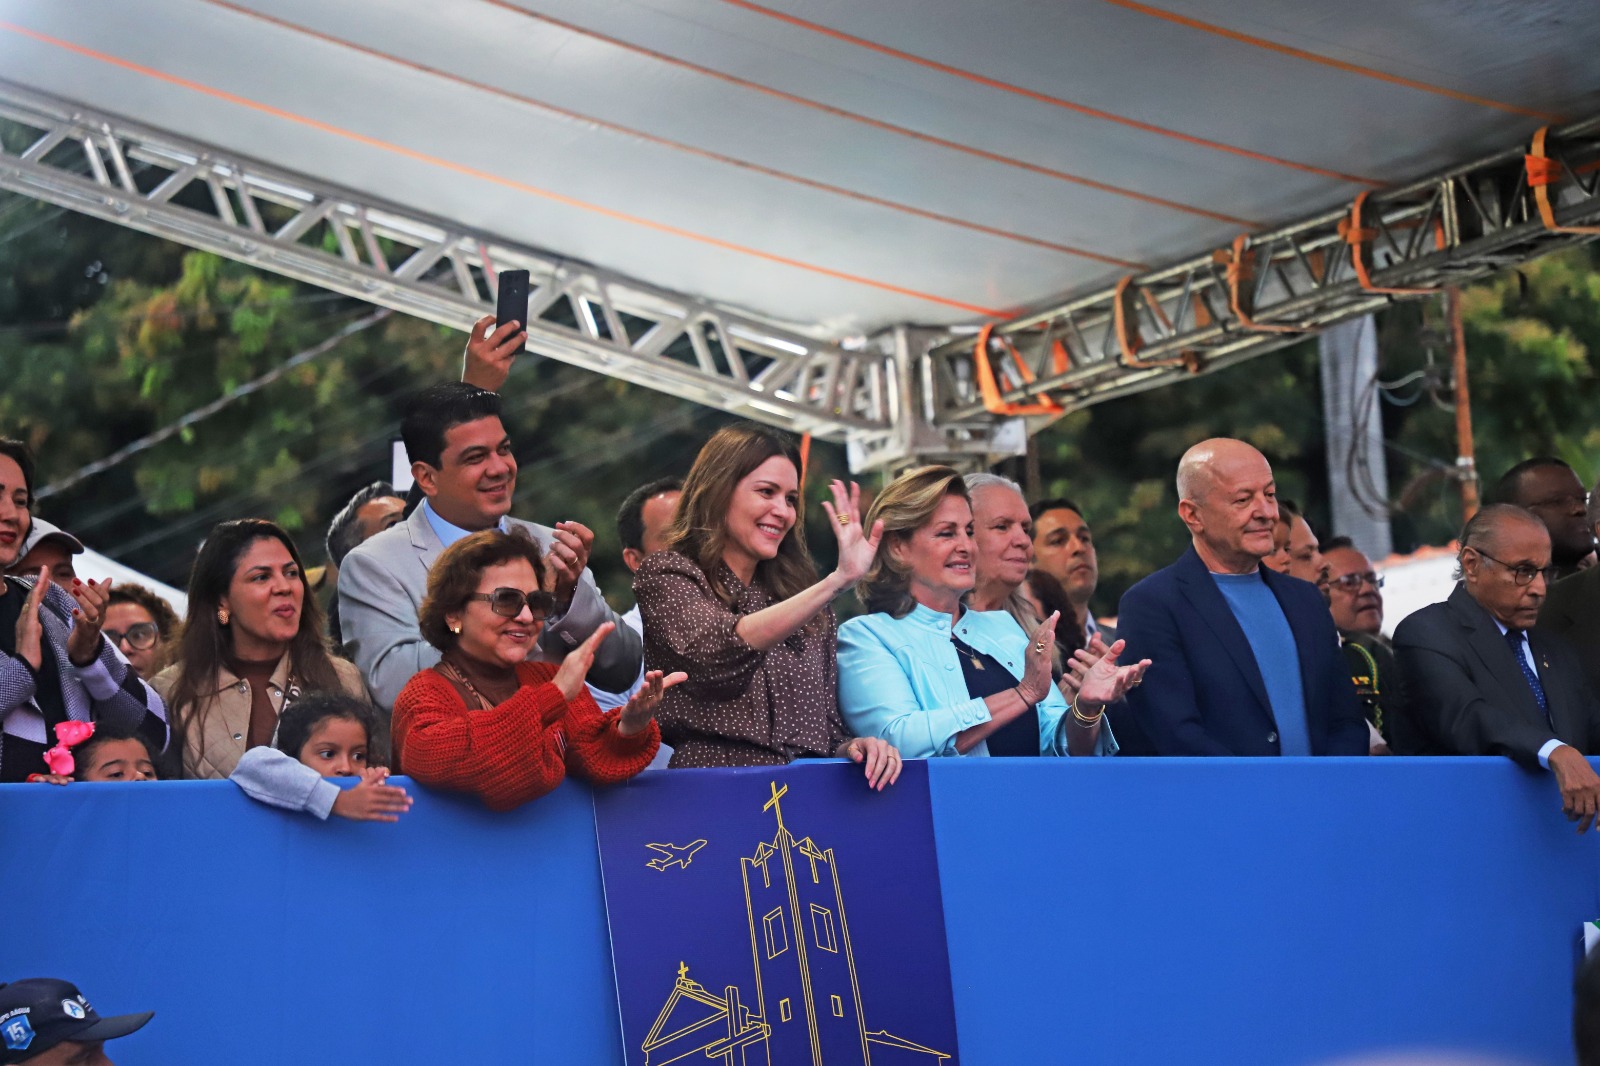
{"type": "Point", "coordinates": [38, 1013]}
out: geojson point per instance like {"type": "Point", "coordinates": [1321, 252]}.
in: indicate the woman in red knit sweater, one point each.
{"type": "Point", "coordinates": [487, 721]}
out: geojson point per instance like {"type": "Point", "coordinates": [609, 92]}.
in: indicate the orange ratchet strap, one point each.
{"type": "Point", "coordinates": [1360, 237]}
{"type": "Point", "coordinates": [1544, 172]}
{"type": "Point", "coordinates": [1241, 265]}
{"type": "Point", "coordinates": [1123, 315]}
{"type": "Point", "coordinates": [989, 389]}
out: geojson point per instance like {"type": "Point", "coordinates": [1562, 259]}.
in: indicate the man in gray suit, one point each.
{"type": "Point", "coordinates": [461, 460]}
{"type": "Point", "coordinates": [1484, 684]}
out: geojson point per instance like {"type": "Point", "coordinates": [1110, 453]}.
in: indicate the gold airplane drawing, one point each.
{"type": "Point", "coordinates": [674, 855]}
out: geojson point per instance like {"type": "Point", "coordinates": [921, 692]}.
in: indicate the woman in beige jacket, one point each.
{"type": "Point", "coordinates": [252, 643]}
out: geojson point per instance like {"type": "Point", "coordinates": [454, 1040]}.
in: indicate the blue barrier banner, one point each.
{"type": "Point", "coordinates": [1125, 912]}
{"type": "Point", "coordinates": [776, 915]}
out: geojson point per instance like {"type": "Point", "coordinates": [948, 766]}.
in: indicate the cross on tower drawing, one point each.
{"type": "Point", "coordinates": [807, 1008]}
{"type": "Point", "coordinates": [773, 805]}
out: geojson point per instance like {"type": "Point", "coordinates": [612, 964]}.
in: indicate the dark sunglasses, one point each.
{"type": "Point", "coordinates": [508, 603]}
{"type": "Point", "coordinates": [140, 636]}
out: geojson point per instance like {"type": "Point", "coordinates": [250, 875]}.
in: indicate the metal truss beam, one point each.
{"type": "Point", "coordinates": [911, 394]}
{"type": "Point", "coordinates": [1270, 289]}
{"type": "Point", "coordinates": [338, 239]}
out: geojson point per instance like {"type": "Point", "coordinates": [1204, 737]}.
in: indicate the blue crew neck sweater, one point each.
{"type": "Point", "coordinates": [1277, 656]}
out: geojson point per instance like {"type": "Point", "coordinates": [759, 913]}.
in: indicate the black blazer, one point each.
{"type": "Point", "coordinates": [1572, 611]}
{"type": "Point", "coordinates": [1463, 682]}
{"type": "Point", "coordinates": [1203, 693]}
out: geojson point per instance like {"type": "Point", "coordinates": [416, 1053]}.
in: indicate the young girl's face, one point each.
{"type": "Point", "coordinates": [118, 760]}
{"type": "Point", "coordinates": [337, 748]}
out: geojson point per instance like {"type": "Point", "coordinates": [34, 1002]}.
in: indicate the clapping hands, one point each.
{"type": "Point", "coordinates": [1099, 680]}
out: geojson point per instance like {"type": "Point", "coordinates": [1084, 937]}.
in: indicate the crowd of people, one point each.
{"type": "Point", "coordinates": [473, 651]}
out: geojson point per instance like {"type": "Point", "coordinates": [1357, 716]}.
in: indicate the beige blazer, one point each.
{"type": "Point", "coordinates": [215, 739]}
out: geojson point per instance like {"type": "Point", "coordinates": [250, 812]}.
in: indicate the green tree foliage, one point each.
{"type": "Point", "coordinates": [1533, 352]}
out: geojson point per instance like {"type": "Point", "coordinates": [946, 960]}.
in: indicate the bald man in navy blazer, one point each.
{"type": "Point", "coordinates": [1244, 661]}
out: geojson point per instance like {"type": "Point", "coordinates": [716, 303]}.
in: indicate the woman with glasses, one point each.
{"type": "Point", "coordinates": [252, 644]}
{"type": "Point", "coordinates": [487, 721]}
{"type": "Point", "coordinates": [142, 626]}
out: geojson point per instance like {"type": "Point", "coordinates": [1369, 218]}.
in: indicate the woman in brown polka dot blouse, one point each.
{"type": "Point", "coordinates": [734, 601]}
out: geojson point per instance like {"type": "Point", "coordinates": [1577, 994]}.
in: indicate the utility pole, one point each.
{"type": "Point", "coordinates": [1466, 465]}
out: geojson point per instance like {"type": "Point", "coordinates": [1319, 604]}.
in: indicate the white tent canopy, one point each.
{"type": "Point", "coordinates": [837, 166]}
{"type": "Point", "coordinates": [90, 564]}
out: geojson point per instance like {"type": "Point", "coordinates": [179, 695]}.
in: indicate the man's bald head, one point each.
{"type": "Point", "coordinates": [1201, 465]}
{"type": "Point", "coordinates": [1227, 498]}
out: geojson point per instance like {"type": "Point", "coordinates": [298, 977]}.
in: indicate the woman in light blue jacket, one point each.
{"type": "Point", "coordinates": [934, 678]}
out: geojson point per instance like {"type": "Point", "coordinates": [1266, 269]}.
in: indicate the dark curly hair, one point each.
{"type": "Point", "coordinates": [301, 718]}
{"type": "Point", "coordinates": [166, 618]}
{"type": "Point", "coordinates": [456, 573]}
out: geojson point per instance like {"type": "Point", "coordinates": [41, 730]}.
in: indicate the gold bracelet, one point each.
{"type": "Point", "coordinates": [1101, 713]}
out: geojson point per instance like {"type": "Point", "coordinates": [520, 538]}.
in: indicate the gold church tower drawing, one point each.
{"type": "Point", "coordinates": [806, 1009]}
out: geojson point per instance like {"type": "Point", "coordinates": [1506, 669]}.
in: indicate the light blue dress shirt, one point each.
{"type": "Point", "coordinates": [448, 532]}
{"type": "Point", "coordinates": [901, 679]}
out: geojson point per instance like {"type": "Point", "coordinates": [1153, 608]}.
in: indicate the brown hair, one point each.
{"type": "Point", "coordinates": [206, 642]}
{"type": "Point", "coordinates": [456, 573]}
{"type": "Point", "coordinates": [166, 619]}
{"type": "Point", "coordinates": [904, 506]}
{"type": "Point", "coordinates": [699, 529]}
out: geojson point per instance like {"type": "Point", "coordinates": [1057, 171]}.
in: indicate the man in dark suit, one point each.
{"type": "Point", "coordinates": [1244, 661]}
{"type": "Point", "coordinates": [1483, 683]}
{"type": "Point", "coordinates": [1572, 609]}
{"type": "Point", "coordinates": [1551, 491]}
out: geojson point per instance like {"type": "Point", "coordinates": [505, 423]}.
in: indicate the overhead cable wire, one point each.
{"type": "Point", "coordinates": [229, 505]}
{"type": "Point", "coordinates": [200, 414]}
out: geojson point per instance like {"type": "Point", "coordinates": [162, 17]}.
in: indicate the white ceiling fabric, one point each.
{"type": "Point", "coordinates": [666, 171]}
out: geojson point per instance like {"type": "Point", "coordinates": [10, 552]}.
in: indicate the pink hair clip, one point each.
{"type": "Point", "coordinates": [68, 735]}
